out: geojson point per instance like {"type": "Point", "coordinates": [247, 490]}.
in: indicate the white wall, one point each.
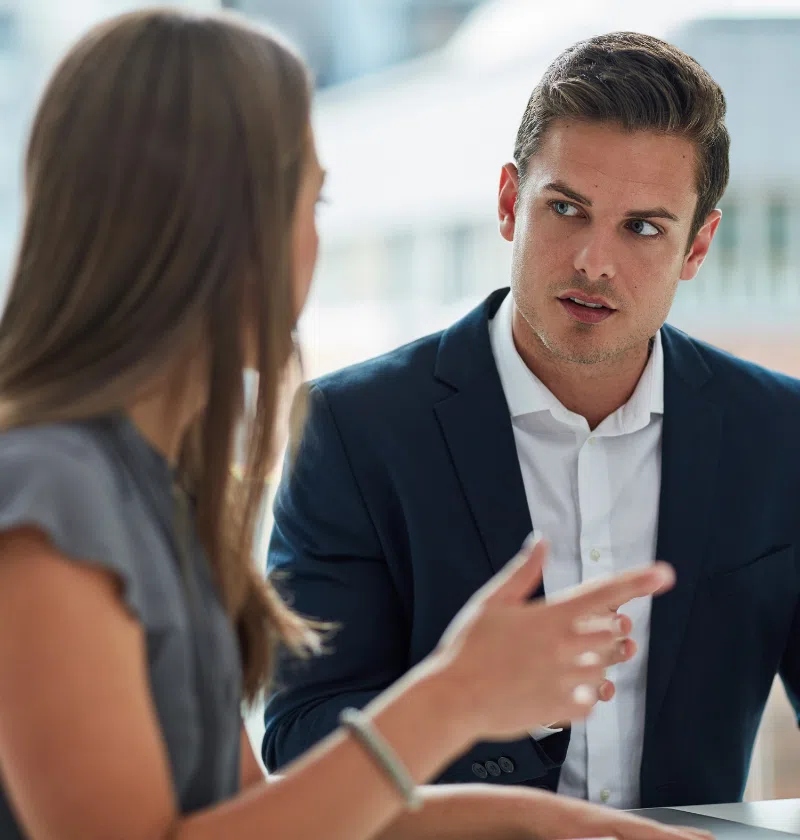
{"type": "Point", "coordinates": [50, 26]}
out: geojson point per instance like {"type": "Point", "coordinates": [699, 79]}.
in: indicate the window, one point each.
{"type": "Point", "coordinates": [457, 281]}
{"type": "Point", "coordinates": [778, 243]}
{"type": "Point", "coordinates": [399, 265]}
{"type": "Point", "coordinates": [727, 245]}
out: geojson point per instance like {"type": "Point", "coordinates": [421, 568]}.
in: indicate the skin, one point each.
{"type": "Point", "coordinates": [88, 761]}
{"type": "Point", "coordinates": [600, 213]}
{"type": "Point", "coordinates": [590, 219]}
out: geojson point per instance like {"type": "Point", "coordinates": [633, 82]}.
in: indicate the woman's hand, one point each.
{"type": "Point", "coordinates": [561, 818]}
{"type": "Point", "coordinates": [513, 663]}
{"type": "Point", "coordinates": [503, 812]}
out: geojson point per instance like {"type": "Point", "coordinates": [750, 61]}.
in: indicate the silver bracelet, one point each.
{"type": "Point", "coordinates": [384, 756]}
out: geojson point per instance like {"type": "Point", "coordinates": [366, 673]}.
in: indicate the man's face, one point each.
{"type": "Point", "coordinates": [603, 217]}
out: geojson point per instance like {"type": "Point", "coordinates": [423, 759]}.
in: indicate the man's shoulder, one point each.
{"type": "Point", "coordinates": [424, 368]}
{"type": "Point", "coordinates": [739, 376]}
{"type": "Point", "coordinates": [407, 368]}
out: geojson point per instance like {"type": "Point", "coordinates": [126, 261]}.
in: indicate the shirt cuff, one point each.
{"type": "Point", "coordinates": [541, 732]}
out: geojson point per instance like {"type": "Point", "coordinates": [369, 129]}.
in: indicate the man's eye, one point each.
{"type": "Point", "coordinates": [564, 208]}
{"type": "Point", "coordinates": [643, 228]}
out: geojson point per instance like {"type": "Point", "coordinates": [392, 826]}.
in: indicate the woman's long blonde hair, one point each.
{"type": "Point", "coordinates": [161, 177]}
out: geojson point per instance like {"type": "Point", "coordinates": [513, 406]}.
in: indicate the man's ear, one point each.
{"type": "Point", "coordinates": [507, 200]}
{"type": "Point", "coordinates": [700, 245]}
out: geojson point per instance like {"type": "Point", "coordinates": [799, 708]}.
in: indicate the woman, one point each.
{"type": "Point", "coordinates": [168, 245]}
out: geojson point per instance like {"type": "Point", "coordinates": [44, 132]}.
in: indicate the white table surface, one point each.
{"type": "Point", "coordinates": [777, 814]}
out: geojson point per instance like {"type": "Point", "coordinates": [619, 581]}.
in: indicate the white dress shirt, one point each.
{"type": "Point", "coordinates": [594, 496]}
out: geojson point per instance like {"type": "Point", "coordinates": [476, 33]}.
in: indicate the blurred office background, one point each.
{"type": "Point", "coordinates": [418, 107]}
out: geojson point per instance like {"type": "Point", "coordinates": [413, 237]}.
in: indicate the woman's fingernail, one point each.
{"type": "Point", "coordinates": [665, 572]}
{"type": "Point", "coordinates": [594, 624]}
{"type": "Point", "coordinates": [584, 695]}
{"type": "Point", "coordinates": [588, 658]}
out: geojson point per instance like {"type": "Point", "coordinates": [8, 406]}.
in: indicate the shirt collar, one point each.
{"type": "Point", "coordinates": [526, 394]}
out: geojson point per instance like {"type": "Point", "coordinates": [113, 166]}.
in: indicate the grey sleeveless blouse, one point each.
{"type": "Point", "coordinates": [105, 497]}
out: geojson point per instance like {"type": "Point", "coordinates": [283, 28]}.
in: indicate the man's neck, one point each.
{"type": "Point", "coordinates": [593, 391]}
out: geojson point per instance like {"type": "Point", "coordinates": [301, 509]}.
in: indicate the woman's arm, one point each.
{"type": "Point", "coordinates": [81, 755]}
{"type": "Point", "coordinates": [82, 758]}
{"type": "Point", "coordinates": [80, 751]}
{"type": "Point", "coordinates": [500, 812]}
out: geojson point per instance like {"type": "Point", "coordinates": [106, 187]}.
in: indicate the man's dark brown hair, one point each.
{"type": "Point", "coordinates": [639, 83]}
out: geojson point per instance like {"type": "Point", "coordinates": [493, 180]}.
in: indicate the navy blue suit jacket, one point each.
{"type": "Point", "coordinates": [406, 496]}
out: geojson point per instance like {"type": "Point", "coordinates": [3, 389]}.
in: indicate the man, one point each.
{"type": "Point", "coordinates": [567, 405]}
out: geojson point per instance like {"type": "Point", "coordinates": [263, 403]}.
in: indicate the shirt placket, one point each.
{"type": "Point", "coordinates": [597, 561]}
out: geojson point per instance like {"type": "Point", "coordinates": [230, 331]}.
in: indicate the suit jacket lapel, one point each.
{"type": "Point", "coordinates": [689, 459]}
{"type": "Point", "coordinates": [476, 424]}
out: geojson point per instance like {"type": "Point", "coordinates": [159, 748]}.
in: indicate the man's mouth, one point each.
{"type": "Point", "coordinates": [586, 309]}
{"type": "Point", "coordinates": [586, 303]}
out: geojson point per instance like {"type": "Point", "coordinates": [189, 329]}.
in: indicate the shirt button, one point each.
{"type": "Point", "coordinates": [479, 770]}
{"type": "Point", "coordinates": [605, 795]}
{"type": "Point", "coordinates": [592, 441]}
{"type": "Point", "coordinates": [594, 554]}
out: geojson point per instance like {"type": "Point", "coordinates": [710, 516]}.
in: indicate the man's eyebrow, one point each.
{"type": "Point", "coordinates": [568, 192]}
{"type": "Point", "coordinates": [654, 213]}
{"type": "Point", "coordinates": [651, 213]}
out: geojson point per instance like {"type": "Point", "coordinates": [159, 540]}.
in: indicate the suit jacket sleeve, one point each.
{"type": "Point", "coordinates": [326, 557]}
{"type": "Point", "coordinates": [790, 664]}
{"type": "Point", "coordinates": [326, 552]}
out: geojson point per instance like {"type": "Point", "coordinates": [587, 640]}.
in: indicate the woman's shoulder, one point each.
{"type": "Point", "coordinates": [69, 442]}
{"type": "Point", "coordinates": [71, 458]}
{"type": "Point", "coordinates": [62, 480]}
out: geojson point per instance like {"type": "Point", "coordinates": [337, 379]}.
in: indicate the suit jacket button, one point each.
{"type": "Point", "coordinates": [479, 770]}
{"type": "Point", "coordinates": [494, 768]}
{"type": "Point", "coordinates": [506, 764]}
